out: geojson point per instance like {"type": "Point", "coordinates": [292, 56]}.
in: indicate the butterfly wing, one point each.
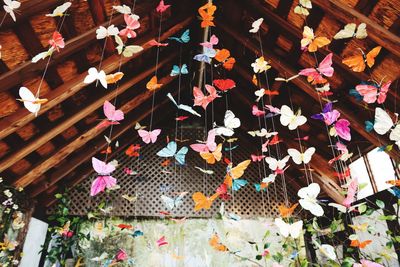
{"type": "Point", "coordinates": [282, 226]}
{"type": "Point", "coordinates": [347, 32]}
{"type": "Point", "coordinates": [180, 156]}
{"type": "Point", "coordinates": [169, 203]}
{"type": "Point", "coordinates": [98, 186]}
{"type": "Point", "coordinates": [101, 167]}
{"type": "Point", "coordinates": [369, 92]}
{"type": "Point", "coordinates": [29, 100]}
{"type": "Point", "coordinates": [383, 92]}
{"type": "Point", "coordinates": [201, 201]}
{"type": "Point", "coordinates": [230, 120]}
{"type": "Point", "coordinates": [325, 67]}
{"type": "Point", "coordinates": [111, 113]}
{"type": "Point", "coordinates": [256, 25]}
{"type": "Point", "coordinates": [154, 134]}
{"type": "Point", "coordinates": [308, 154]}
{"type": "Point", "coordinates": [238, 183]}
{"type": "Point", "coordinates": [272, 163]}
{"type": "Point", "coordinates": [383, 122]}
{"type": "Point", "coordinates": [370, 57]}
{"type": "Point", "coordinates": [168, 151]}
{"type": "Point", "coordinates": [297, 157]}
{"type": "Point", "coordinates": [361, 31]}
{"type": "Point", "coordinates": [356, 63]}
{"type": "Point", "coordinates": [185, 37]}
{"type": "Point", "coordinates": [287, 115]}
{"type": "Point", "coordinates": [145, 135]}
{"type": "Point", "coordinates": [296, 228]}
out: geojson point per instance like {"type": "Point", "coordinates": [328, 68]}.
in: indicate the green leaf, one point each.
{"type": "Point", "coordinates": [369, 212]}
{"type": "Point", "coordinates": [266, 245]}
{"type": "Point", "coordinates": [258, 257]}
{"type": "Point", "coordinates": [58, 196]}
{"type": "Point", "coordinates": [387, 218]}
{"type": "Point", "coordinates": [380, 203]}
{"type": "Point", "coordinates": [362, 208]}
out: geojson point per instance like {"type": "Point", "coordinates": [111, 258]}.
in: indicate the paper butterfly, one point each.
{"type": "Point", "coordinates": [176, 70]}
{"type": "Point", "coordinates": [155, 43]}
{"type": "Point", "coordinates": [277, 165]}
{"type": "Point", "coordinates": [114, 77]}
{"type": "Point", "coordinates": [260, 65]}
{"type": "Point", "coordinates": [213, 41]}
{"type": "Point", "coordinates": [43, 55]}
{"type": "Point", "coordinates": [60, 10]}
{"type": "Point", "coordinates": [256, 158]}
{"type": "Point", "coordinates": [238, 183]}
{"type": "Point", "coordinates": [311, 42]}
{"type": "Point", "coordinates": [224, 84]}
{"type": "Point", "coordinates": [358, 62]}
{"type": "Point", "coordinates": [207, 146]}
{"type": "Point", "coordinates": [171, 151]}
{"type": "Point", "coordinates": [328, 115]}
{"type": "Point", "coordinates": [94, 75]}
{"type": "Point", "coordinates": [214, 156]}
{"type": "Point", "coordinates": [206, 13]}
{"type": "Point", "coordinates": [104, 180]}
{"type": "Point", "coordinates": [184, 39]}
{"type": "Point", "coordinates": [153, 84]}
{"type": "Point", "coordinates": [303, 7]}
{"type": "Point", "coordinates": [287, 212]}
{"type": "Point", "coordinates": [57, 41]}
{"type": "Point", "coordinates": [206, 56]}
{"type": "Point", "coordinates": [351, 193]}
{"type": "Point", "coordinates": [203, 100]}
{"type": "Point", "coordinates": [236, 172]}
{"type": "Point", "coordinates": [285, 229]}
{"type": "Point", "coordinates": [161, 8]}
{"type": "Point", "coordinates": [161, 242]}
{"type": "Point", "coordinates": [124, 9]}
{"type": "Point", "coordinates": [132, 24]}
{"type": "Point", "coordinates": [172, 203]}
{"type": "Point", "coordinates": [351, 30]}
{"type": "Point", "coordinates": [299, 157]}
{"type": "Point", "coordinates": [308, 199]}
{"type": "Point", "coordinates": [31, 102]}
{"type": "Point", "coordinates": [103, 32]}
{"type": "Point", "coordinates": [372, 93]}
{"type": "Point", "coordinates": [223, 56]}
{"type": "Point", "coordinates": [149, 136]}
{"type": "Point", "coordinates": [203, 202]}
{"type": "Point", "coordinates": [328, 251]}
{"type": "Point", "coordinates": [183, 107]}
{"type": "Point", "coordinates": [290, 119]}
{"type": "Point", "coordinates": [255, 27]}
{"type": "Point", "coordinates": [316, 75]}
{"type": "Point", "coordinates": [113, 116]}
{"type": "Point", "coordinates": [127, 50]}
{"type": "Point", "coordinates": [341, 128]}
{"type": "Point", "coordinates": [230, 124]}
{"type": "Point", "coordinates": [256, 112]}
{"type": "Point", "coordinates": [367, 263]}
{"type": "Point", "coordinates": [10, 6]}
{"type": "Point", "coordinates": [357, 243]}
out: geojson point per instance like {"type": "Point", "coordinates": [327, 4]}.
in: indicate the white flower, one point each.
{"type": "Point", "coordinates": [15, 206]}
{"type": "Point", "coordinates": [260, 65]}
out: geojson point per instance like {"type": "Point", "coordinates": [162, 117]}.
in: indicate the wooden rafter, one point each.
{"type": "Point", "coordinates": [10, 124]}
{"type": "Point", "coordinates": [82, 140]}
{"type": "Point", "coordinates": [282, 67]}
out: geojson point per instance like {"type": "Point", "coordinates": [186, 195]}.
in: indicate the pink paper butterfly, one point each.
{"type": "Point", "coordinates": [132, 24]}
{"type": "Point", "coordinates": [256, 158]}
{"type": "Point", "coordinates": [372, 93]}
{"type": "Point", "coordinates": [104, 180]}
{"type": "Point", "coordinates": [316, 74]}
{"type": "Point", "coordinates": [351, 193]}
{"type": "Point", "coordinates": [148, 137]}
{"type": "Point", "coordinates": [213, 41]}
{"type": "Point", "coordinates": [273, 109]}
{"type": "Point", "coordinates": [367, 263]}
{"type": "Point", "coordinates": [209, 146]}
{"type": "Point", "coordinates": [113, 115]}
{"type": "Point", "coordinates": [162, 7]}
{"type": "Point", "coordinates": [202, 100]}
{"type": "Point", "coordinates": [57, 41]}
{"type": "Point", "coordinates": [162, 242]}
{"type": "Point", "coordinates": [342, 129]}
{"type": "Point", "coordinates": [155, 43]}
{"type": "Point", "coordinates": [257, 112]}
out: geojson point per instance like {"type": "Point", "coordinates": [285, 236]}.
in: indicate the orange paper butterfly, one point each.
{"type": "Point", "coordinates": [357, 63]}
{"type": "Point", "coordinates": [113, 78]}
{"type": "Point", "coordinates": [206, 13]}
{"type": "Point", "coordinates": [153, 84]}
{"type": "Point", "coordinates": [212, 157]}
{"type": "Point", "coordinates": [287, 212]}
{"type": "Point", "coordinates": [203, 202]}
{"type": "Point", "coordinates": [394, 182]}
{"type": "Point", "coordinates": [224, 57]}
{"type": "Point", "coordinates": [215, 244]}
{"type": "Point", "coordinates": [236, 172]}
{"type": "Point", "coordinates": [357, 243]}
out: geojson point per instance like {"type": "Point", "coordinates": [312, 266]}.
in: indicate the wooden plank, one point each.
{"type": "Point", "coordinates": [82, 140]}
{"type": "Point", "coordinates": [21, 117]}
{"type": "Point", "coordinates": [43, 139]}
{"type": "Point", "coordinates": [377, 33]}
{"type": "Point", "coordinates": [282, 67]}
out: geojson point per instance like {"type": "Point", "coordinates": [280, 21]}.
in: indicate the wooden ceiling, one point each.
{"type": "Point", "coordinates": [51, 151]}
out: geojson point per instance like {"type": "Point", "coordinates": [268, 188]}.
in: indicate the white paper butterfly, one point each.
{"type": "Point", "coordinates": [31, 102]}
{"type": "Point", "coordinates": [275, 164]}
{"type": "Point", "coordinates": [384, 123]}
{"type": "Point", "coordinates": [172, 203]}
{"type": "Point", "coordinates": [124, 9]}
{"type": "Point", "coordinates": [308, 199]}
{"type": "Point", "coordinates": [230, 124]}
{"type": "Point", "coordinates": [60, 10]}
{"type": "Point", "coordinates": [256, 25]}
{"type": "Point", "coordinates": [10, 6]}
{"type": "Point", "coordinates": [262, 133]}
{"type": "Point", "coordinates": [126, 50]}
{"type": "Point", "coordinates": [286, 229]}
{"type": "Point", "coordinates": [94, 75]}
{"type": "Point", "coordinates": [351, 30]}
{"type": "Point", "coordinates": [103, 32]}
{"type": "Point", "coordinates": [290, 119]}
{"type": "Point", "coordinates": [299, 157]}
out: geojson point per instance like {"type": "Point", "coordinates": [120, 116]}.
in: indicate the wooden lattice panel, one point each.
{"type": "Point", "coordinates": [151, 181]}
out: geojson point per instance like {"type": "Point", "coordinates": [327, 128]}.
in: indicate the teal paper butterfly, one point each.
{"type": "Point", "coordinates": [171, 151]}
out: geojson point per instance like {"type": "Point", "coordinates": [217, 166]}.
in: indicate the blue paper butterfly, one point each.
{"type": "Point", "coordinates": [238, 183]}
{"type": "Point", "coordinates": [171, 151]}
{"type": "Point", "coordinates": [184, 39]}
{"type": "Point", "coordinates": [137, 233]}
{"type": "Point", "coordinates": [395, 191]}
{"type": "Point", "coordinates": [369, 126]}
{"type": "Point", "coordinates": [176, 70]}
{"type": "Point", "coordinates": [258, 188]}
{"type": "Point", "coordinates": [206, 56]}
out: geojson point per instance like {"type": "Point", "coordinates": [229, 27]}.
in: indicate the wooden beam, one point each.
{"type": "Point", "coordinates": [282, 67]}
{"type": "Point", "coordinates": [82, 139]}
{"type": "Point", "coordinates": [338, 10]}
{"type": "Point", "coordinates": [38, 142]}
{"type": "Point", "coordinates": [21, 117]}
{"type": "Point", "coordinates": [27, 10]}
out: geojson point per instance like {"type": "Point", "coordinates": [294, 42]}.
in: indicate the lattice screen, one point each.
{"type": "Point", "coordinates": [153, 179]}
